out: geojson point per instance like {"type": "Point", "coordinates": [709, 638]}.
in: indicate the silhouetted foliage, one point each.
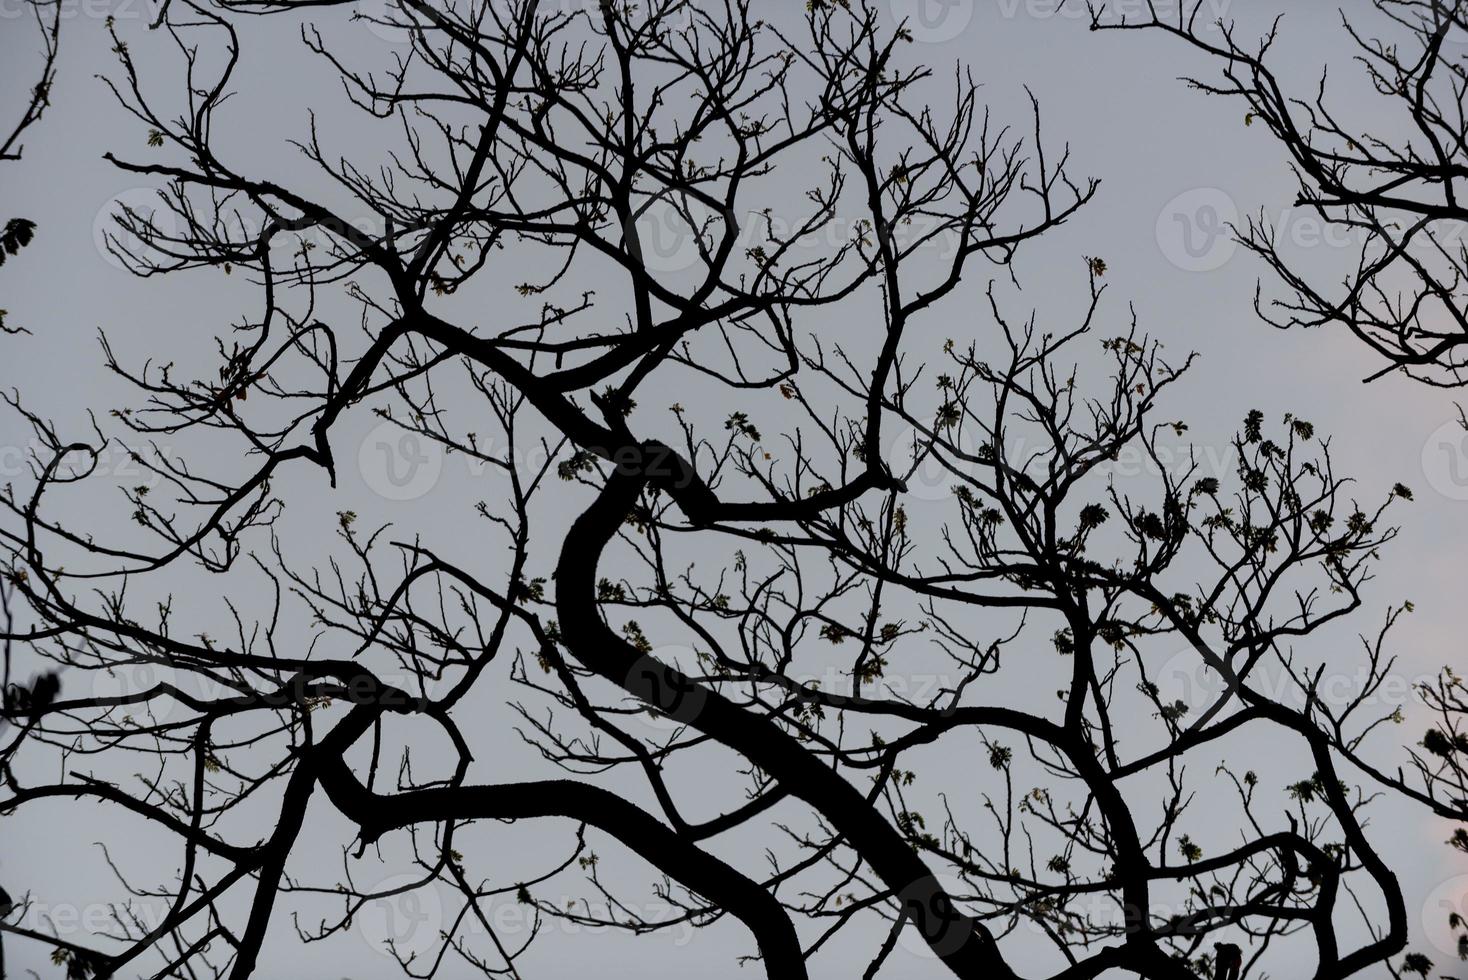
{"type": "Point", "coordinates": [1395, 194]}
{"type": "Point", "coordinates": [745, 572]}
{"type": "Point", "coordinates": [18, 232]}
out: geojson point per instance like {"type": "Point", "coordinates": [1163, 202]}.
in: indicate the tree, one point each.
{"type": "Point", "coordinates": [18, 232]}
{"type": "Point", "coordinates": [1396, 195]}
{"type": "Point", "coordinates": [740, 582]}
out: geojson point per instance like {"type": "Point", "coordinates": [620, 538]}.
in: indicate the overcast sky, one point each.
{"type": "Point", "coordinates": [1173, 166]}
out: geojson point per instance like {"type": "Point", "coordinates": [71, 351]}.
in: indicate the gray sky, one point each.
{"type": "Point", "coordinates": [1169, 160]}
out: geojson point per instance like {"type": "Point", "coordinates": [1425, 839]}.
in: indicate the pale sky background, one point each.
{"type": "Point", "coordinates": [1164, 155]}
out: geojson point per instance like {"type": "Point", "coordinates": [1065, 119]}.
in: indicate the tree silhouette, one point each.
{"type": "Point", "coordinates": [18, 232]}
{"type": "Point", "coordinates": [720, 563]}
{"type": "Point", "coordinates": [1396, 195]}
